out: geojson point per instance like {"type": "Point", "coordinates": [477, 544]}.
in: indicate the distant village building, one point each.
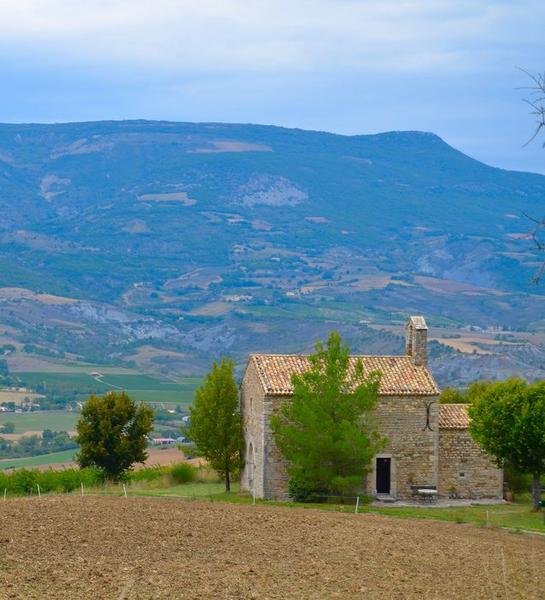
{"type": "Point", "coordinates": [430, 451]}
{"type": "Point", "coordinates": [163, 441]}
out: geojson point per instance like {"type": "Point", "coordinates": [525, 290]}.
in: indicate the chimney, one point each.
{"type": "Point", "coordinates": [417, 340]}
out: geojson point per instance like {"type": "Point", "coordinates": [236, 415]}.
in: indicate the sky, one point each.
{"type": "Point", "coordinates": [453, 67]}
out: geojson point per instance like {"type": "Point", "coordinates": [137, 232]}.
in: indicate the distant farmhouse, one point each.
{"type": "Point", "coordinates": [430, 451]}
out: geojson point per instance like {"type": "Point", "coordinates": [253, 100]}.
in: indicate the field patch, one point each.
{"type": "Point", "coordinates": [37, 421]}
{"type": "Point", "coordinates": [219, 146]}
{"type": "Point", "coordinates": [18, 397]}
{"type": "Point", "coordinates": [215, 550]}
{"type": "Point", "coordinates": [180, 197]}
{"type": "Point", "coordinates": [94, 381]}
{"type": "Point", "coordinates": [212, 309]}
{"type": "Point", "coordinates": [56, 459]}
{"type": "Point", "coordinates": [66, 458]}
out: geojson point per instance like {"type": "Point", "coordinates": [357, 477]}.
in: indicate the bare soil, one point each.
{"type": "Point", "coordinates": [105, 547]}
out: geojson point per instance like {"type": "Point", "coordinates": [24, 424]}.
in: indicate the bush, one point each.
{"type": "Point", "coordinates": [189, 450]}
{"type": "Point", "coordinates": [24, 481]}
{"type": "Point", "coordinates": [7, 427]}
{"type": "Point", "coordinates": [303, 491]}
{"type": "Point", "coordinates": [147, 474]}
{"type": "Point", "coordinates": [517, 482]}
{"type": "Point", "coordinates": [183, 473]}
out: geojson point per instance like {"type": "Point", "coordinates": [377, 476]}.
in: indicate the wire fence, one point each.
{"type": "Point", "coordinates": [518, 518]}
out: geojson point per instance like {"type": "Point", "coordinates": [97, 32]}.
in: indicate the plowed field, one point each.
{"type": "Point", "coordinates": [104, 547]}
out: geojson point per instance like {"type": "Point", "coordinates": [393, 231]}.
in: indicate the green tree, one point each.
{"type": "Point", "coordinates": [7, 427]}
{"type": "Point", "coordinates": [477, 389]}
{"type": "Point", "coordinates": [214, 421]}
{"type": "Point", "coordinates": [470, 394]}
{"type": "Point", "coordinates": [112, 433]}
{"type": "Point", "coordinates": [326, 431]}
{"type": "Point", "coordinates": [452, 396]}
{"type": "Point", "coordinates": [508, 421]}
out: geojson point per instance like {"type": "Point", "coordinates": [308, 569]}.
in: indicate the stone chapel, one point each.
{"type": "Point", "coordinates": [429, 444]}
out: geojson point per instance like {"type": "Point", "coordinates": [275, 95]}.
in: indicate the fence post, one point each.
{"type": "Point", "coordinates": [487, 518]}
{"type": "Point", "coordinates": [82, 489]}
{"type": "Point", "coordinates": [39, 492]}
{"type": "Point", "coordinates": [5, 493]}
{"type": "Point", "coordinates": [125, 490]}
{"type": "Point", "coordinates": [253, 486]}
{"type": "Point", "coordinates": [357, 504]}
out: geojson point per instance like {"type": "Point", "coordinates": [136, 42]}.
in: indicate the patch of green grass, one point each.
{"type": "Point", "coordinates": [34, 461]}
{"type": "Point", "coordinates": [141, 387]}
{"type": "Point", "coordinates": [38, 421]}
{"type": "Point", "coordinates": [139, 382]}
{"type": "Point", "coordinates": [192, 491]}
{"type": "Point", "coordinates": [161, 396]}
{"type": "Point", "coordinates": [65, 381]}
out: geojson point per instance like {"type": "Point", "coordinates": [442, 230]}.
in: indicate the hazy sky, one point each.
{"type": "Point", "coordinates": [348, 66]}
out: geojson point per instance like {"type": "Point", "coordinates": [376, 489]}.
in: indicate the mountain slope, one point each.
{"type": "Point", "coordinates": [209, 237]}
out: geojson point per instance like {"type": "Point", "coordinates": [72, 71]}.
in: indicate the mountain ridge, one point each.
{"type": "Point", "coordinates": [224, 235]}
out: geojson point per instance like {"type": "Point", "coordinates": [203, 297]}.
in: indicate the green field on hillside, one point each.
{"type": "Point", "coordinates": [56, 420]}
{"type": "Point", "coordinates": [141, 387]}
{"type": "Point", "coordinates": [35, 461]}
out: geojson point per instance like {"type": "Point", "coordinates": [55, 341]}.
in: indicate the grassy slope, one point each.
{"type": "Point", "coordinates": [38, 421]}
{"type": "Point", "coordinates": [34, 461]}
{"type": "Point", "coordinates": [142, 387]}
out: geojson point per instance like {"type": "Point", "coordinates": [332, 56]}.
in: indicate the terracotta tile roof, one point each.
{"type": "Point", "coordinates": [400, 377]}
{"type": "Point", "coordinates": [453, 416]}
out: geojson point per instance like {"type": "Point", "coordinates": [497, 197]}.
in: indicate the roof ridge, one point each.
{"type": "Point", "coordinates": [405, 356]}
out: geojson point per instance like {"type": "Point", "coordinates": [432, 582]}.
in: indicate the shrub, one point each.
{"type": "Point", "coordinates": [516, 481]}
{"type": "Point", "coordinates": [23, 481]}
{"type": "Point", "coordinates": [303, 491]}
{"type": "Point", "coordinates": [183, 473]}
{"type": "Point", "coordinates": [147, 474]}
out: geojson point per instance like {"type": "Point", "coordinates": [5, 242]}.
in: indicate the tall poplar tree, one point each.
{"type": "Point", "coordinates": [326, 430]}
{"type": "Point", "coordinates": [215, 425]}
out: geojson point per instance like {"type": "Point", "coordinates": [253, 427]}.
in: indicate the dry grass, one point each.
{"type": "Point", "coordinates": [181, 197]}
{"type": "Point", "coordinates": [231, 146]}
{"type": "Point", "coordinates": [212, 309]}
{"type": "Point", "coordinates": [18, 397]}
{"type": "Point", "coordinates": [91, 547]}
{"type": "Point", "coordinates": [468, 345]}
{"type": "Point", "coordinates": [156, 457]}
{"type": "Point", "coordinates": [19, 293]}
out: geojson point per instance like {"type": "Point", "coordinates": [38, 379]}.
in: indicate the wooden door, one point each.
{"type": "Point", "coordinates": [383, 475]}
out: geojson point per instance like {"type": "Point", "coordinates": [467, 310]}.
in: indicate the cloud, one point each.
{"type": "Point", "coordinates": [268, 35]}
{"type": "Point", "coordinates": [351, 66]}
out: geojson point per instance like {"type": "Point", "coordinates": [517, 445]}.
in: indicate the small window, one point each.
{"type": "Point", "coordinates": [461, 475]}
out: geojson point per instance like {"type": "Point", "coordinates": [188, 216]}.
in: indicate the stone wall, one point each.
{"type": "Point", "coordinates": [252, 413]}
{"type": "Point", "coordinates": [420, 455]}
{"type": "Point", "coordinates": [412, 447]}
{"type": "Point", "coordinates": [275, 476]}
{"type": "Point", "coordinates": [402, 419]}
{"type": "Point", "coordinates": [465, 471]}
